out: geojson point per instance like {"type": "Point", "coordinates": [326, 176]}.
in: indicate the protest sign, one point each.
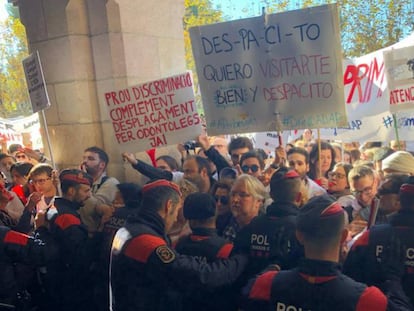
{"type": "Point", "coordinates": [154, 114]}
{"type": "Point", "coordinates": [400, 78]}
{"type": "Point", "coordinates": [269, 141]}
{"type": "Point", "coordinates": [271, 73]}
{"type": "Point", "coordinates": [36, 82]}
{"type": "Point", "coordinates": [367, 100]}
{"type": "Point", "coordinates": [380, 127]}
{"type": "Point", "coordinates": [366, 87]}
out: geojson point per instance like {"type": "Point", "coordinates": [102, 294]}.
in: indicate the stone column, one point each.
{"type": "Point", "coordinates": [89, 47]}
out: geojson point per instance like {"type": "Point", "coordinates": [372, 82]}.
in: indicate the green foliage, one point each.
{"type": "Point", "coordinates": [366, 26]}
{"type": "Point", "coordinates": [14, 99]}
{"type": "Point", "coordinates": [197, 12]}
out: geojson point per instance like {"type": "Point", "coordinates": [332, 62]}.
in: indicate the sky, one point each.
{"type": "Point", "coordinates": [3, 12]}
{"type": "Point", "coordinates": [236, 9]}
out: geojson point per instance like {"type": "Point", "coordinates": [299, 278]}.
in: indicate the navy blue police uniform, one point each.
{"type": "Point", "coordinates": [147, 274]}
{"type": "Point", "coordinates": [365, 252]}
{"type": "Point", "coordinates": [68, 280]}
{"type": "Point", "coordinates": [204, 242]}
{"type": "Point", "coordinates": [17, 248]}
{"type": "Point", "coordinates": [318, 284]}
{"type": "Point", "coordinates": [270, 238]}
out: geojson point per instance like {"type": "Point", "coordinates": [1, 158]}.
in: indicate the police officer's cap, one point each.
{"type": "Point", "coordinates": [161, 183]}
{"type": "Point", "coordinates": [199, 206]}
{"type": "Point", "coordinates": [75, 176]}
{"type": "Point", "coordinates": [318, 213]}
{"type": "Point", "coordinates": [281, 175]}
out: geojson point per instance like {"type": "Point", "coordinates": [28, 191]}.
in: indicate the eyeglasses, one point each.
{"type": "Point", "coordinates": [336, 175]}
{"type": "Point", "coordinates": [223, 199]}
{"type": "Point", "coordinates": [254, 168]}
{"type": "Point", "coordinates": [365, 191]}
{"type": "Point", "coordinates": [242, 195]}
{"type": "Point", "coordinates": [40, 181]}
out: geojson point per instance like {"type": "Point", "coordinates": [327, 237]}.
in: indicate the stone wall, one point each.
{"type": "Point", "coordinates": [89, 47]}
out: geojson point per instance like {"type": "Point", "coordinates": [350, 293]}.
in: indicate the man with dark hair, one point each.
{"type": "Point", "coordinates": [95, 161]}
{"type": "Point", "coordinates": [317, 283]}
{"type": "Point", "coordinates": [146, 273]}
{"type": "Point", "coordinates": [252, 163]}
{"type": "Point", "coordinates": [200, 210]}
{"type": "Point", "coordinates": [68, 279]}
{"type": "Point", "coordinates": [298, 159]}
{"type": "Point", "coordinates": [270, 238]}
{"type": "Point", "coordinates": [367, 250]}
{"type": "Point", "coordinates": [236, 148]}
{"type": "Point", "coordinates": [239, 146]}
{"type": "Point", "coordinates": [197, 170]}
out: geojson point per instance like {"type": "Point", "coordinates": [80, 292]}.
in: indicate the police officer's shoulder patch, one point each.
{"type": "Point", "coordinates": [165, 254]}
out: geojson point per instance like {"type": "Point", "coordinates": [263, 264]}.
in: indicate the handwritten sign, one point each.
{"type": "Point", "coordinates": [273, 72]}
{"type": "Point", "coordinates": [36, 84]}
{"type": "Point", "coordinates": [400, 77]}
{"type": "Point", "coordinates": [365, 79]}
{"type": "Point", "coordinates": [268, 141]}
{"type": "Point", "coordinates": [154, 114]}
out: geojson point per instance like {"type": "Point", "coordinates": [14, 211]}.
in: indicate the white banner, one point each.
{"type": "Point", "coordinates": [273, 72]}
{"type": "Point", "coordinates": [400, 77]}
{"type": "Point", "coordinates": [367, 100]}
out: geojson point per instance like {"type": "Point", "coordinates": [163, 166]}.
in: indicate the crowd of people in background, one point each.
{"type": "Point", "coordinates": [226, 227]}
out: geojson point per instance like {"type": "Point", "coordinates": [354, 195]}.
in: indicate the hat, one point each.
{"type": "Point", "coordinates": [161, 183]}
{"type": "Point", "coordinates": [282, 174]}
{"type": "Point", "coordinates": [319, 213]}
{"type": "Point", "coordinates": [76, 176]}
{"type": "Point", "coordinates": [199, 206]}
{"type": "Point", "coordinates": [399, 161]}
{"type": "Point", "coordinates": [131, 193]}
{"type": "Point", "coordinates": [381, 153]}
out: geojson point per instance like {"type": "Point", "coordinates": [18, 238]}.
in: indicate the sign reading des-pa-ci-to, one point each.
{"type": "Point", "coordinates": [154, 114]}
{"type": "Point", "coordinates": [286, 66]}
{"type": "Point", "coordinates": [36, 84]}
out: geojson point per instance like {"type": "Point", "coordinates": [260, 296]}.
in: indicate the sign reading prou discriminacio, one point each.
{"type": "Point", "coordinates": [154, 114]}
{"type": "Point", "coordinates": [287, 65]}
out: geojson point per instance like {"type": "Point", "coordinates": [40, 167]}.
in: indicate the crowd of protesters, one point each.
{"type": "Point", "coordinates": [227, 227]}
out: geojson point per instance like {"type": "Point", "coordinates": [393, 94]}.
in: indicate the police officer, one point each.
{"type": "Point", "coordinates": [146, 274]}
{"type": "Point", "coordinates": [317, 283]}
{"type": "Point", "coordinates": [367, 250]}
{"type": "Point", "coordinates": [200, 210]}
{"type": "Point", "coordinates": [68, 280]}
{"type": "Point", "coordinates": [270, 238]}
{"type": "Point", "coordinates": [18, 249]}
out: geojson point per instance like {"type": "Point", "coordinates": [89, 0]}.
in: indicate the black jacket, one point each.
{"type": "Point", "coordinates": [18, 249]}
{"type": "Point", "coordinates": [270, 239]}
{"type": "Point", "coordinates": [146, 274]}
{"type": "Point", "coordinates": [361, 261]}
{"type": "Point", "coordinates": [206, 244]}
{"type": "Point", "coordinates": [68, 279]}
{"type": "Point", "coordinates": [315, 285]}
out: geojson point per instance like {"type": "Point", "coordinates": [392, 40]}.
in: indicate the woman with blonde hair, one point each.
{"type": "Point", "coordinates": [247, 198]}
